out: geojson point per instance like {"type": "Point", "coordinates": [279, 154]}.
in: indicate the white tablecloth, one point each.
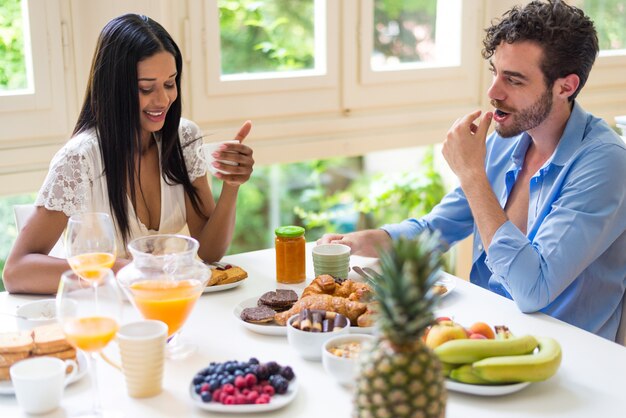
{"type": "Point", "coordinates": [590, 383]}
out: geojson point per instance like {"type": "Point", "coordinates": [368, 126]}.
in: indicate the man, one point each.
{"type": "Point", "coordinates": [545, 194]}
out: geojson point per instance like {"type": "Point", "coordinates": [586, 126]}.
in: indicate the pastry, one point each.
{"type": "Point", "coordinates": [49, 339]}
{"type": "Point", "coordinates": [258, 315]}
{"type": "Point", "coordinates": [216, 276]}
{"type": "Point", "coordinates": [349, 308]}
{"type": "Point", "coordinates": [326, 284]}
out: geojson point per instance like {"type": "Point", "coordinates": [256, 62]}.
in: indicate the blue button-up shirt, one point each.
{"type": "Point", "coordinates": [571, 264]}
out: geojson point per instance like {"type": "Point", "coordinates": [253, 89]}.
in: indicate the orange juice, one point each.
{"type": "Point", "coordinates": [87, 265]}
{"type": "Point", "coordinates": [90, 333]}
{"type": "Point", "coordinates": [166, 300]}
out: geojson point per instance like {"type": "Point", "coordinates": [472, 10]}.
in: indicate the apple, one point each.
{"type": "Point", "coordinates": [444, 331]}
{"type": "Point", "coordinates": [477, 336]}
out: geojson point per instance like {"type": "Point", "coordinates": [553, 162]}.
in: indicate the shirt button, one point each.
{"type": "Point", "coordinates": [480, 247]}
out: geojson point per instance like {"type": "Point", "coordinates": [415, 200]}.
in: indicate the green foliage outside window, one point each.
{"type": "Point", "coordinates": [609, 17]}
{"type": "Point", "coordinates": [12, 64]}
{"type": "Point", "coordinates": [266, 35]}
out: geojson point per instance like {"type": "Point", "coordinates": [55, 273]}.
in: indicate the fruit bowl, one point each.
{"type": "Point", "coordinates": [340, 356]}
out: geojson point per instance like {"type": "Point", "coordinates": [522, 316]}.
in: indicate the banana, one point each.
{"type": "Point", "coordinates": [446, 368]}
{"type": "Point", "coordinates": [468, 350]}
{"type": "Point", "coordinates": [465, 374]}
{"type": "Point", "coordinates": [522, 368]}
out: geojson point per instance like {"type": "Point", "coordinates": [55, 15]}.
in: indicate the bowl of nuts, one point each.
{"type": "Point", "coordinates": [308, 330]}
{"type": "Point", "coordinates": [340, 356]}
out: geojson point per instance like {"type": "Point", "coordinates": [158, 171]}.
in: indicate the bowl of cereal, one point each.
{"type": "Point", "coordinates": [340, 356]}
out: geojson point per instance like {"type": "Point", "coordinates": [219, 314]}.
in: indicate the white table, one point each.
{"type": "Point", "coordinates": [590, 383]}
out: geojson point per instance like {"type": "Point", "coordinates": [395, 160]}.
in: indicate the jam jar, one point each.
{"type": "Point", "coordinates": [290, 254]}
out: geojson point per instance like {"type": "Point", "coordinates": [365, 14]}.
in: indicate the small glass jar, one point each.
{"type": "Point", "coordinates": [290, 254]}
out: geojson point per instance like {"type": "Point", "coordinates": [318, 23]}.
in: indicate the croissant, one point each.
{"type": "Point", "coordinates": [326, 284]}
{"type": "Point", "coordinates": [349, 308]}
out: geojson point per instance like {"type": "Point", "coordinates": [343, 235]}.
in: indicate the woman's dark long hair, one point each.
{"type": "Point", "coordinates": [111, 106]}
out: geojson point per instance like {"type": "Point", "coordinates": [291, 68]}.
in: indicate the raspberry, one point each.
{"type": "Point", "coordinates": [205, 387]}
{"type": "Point", "coordinates": [269, 390]}
{"type": "Point", "coordinates": [240, 399]}
{"type": "Point", "coordinates": [229, 400]}
{"type": "Point", "coordinates": [241, 382]}
{"type": "Point", "coordinates": [229, 389]}
{"type": "Point", "coordinates": [252, 396]}
{"type": "Point", "coordinates": [216, 394]}
{"type": "Point", "coordinates": [263, 399]}
{"type": "Point", "coordinates": [250, 380]}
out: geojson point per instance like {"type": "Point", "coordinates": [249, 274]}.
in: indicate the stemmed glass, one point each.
{"type": "Point", "coordinates": [164, 281]}
{"type": "Point", "coordinates": [90, 312]}
{"type": "Point", "coordinates": [90, 243]}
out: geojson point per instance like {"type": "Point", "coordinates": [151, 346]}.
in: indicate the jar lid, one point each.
{"type": "Point", "coordinates": [290, 231]}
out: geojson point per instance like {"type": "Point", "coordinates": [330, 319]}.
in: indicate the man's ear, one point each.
{"type": "Point", "coordinates": [566, 86]}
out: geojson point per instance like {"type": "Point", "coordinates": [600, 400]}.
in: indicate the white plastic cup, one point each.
{"type": "Point", "coordinates": [39, 383]}
{"type": "Point", "coordinates": [142, 351]}
{"type": "Point", "coordinates": [205, 153]}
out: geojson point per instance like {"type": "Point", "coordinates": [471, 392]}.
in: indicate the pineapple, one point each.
{"type": "Point", "coordinates": [399, 375]}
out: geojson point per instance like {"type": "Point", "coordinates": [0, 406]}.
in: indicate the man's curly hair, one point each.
{"type": "Point", "coordinates": [567, 37]}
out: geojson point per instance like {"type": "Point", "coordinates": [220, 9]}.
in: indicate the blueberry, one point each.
{"type": "Point", "coordinates": [197, 388]}
{"type": "Point", "coordinates": [238, 372]}
{"type": "Point", "coordinates": [287, 373]}
{"type": "Point", "coordinates": [206, 397]}
{"type": "Point", "coordinates": [273, 367]}
{"type": "Point", "coordinates": [199, 378]}
{"type": "Point", "coordinates": [253, 360]}
{"type": "Point", "coordinates": [230, 368]}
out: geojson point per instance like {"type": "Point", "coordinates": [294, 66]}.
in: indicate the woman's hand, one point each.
{"type": "Point", "coordinates": [235, 153]}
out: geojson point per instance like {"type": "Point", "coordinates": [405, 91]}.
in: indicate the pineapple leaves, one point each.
{"type": "Point", "coordinates": [404, 287]}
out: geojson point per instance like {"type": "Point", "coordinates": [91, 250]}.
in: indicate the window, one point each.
{"type": "Point", "coordinates": [15, 62]}
{"type": "Point", "coordinates": [37, 71]}
{"type": "Point", "coordinates": [609, 17]}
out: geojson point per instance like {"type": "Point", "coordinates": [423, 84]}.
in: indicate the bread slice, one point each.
{"type": "Point", "coordinates": [16, 342]}
{"type": "Point", "coordinates": [233, 274]}
{"type": "Point", "coordinates": [4, 373]}
{"type": "Point", "coordinates": [49, 339]}
{"type": "Point", "coordinates": [67, 354]}
{"type": "Point", "coordinates": [216, 276]}
{"type": "Point", "coordinates": [8, 359]}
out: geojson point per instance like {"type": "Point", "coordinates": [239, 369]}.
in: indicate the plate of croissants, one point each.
{"type": "Point", "coordinates": [268, 313]}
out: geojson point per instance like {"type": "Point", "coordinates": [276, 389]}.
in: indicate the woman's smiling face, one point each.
{"type": "Point", "coordinates": [156, 77]}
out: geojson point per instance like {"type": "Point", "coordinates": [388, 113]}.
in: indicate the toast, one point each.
{"type": "Point", "coordinates": [49, 339]}
{"type": "Point", "coordinates": [4, 373]}
{"type": "Point", "coordinates": [8, 359]}
{"type": "Point", "coordinates": [16, 342]}
{"type": "Point", "coordinates": [216, 276]}
{"type": "Point", "coordinates": [233, 274]}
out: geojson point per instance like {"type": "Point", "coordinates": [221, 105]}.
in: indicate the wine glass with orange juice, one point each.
{"type": "Point", "coordinates": [89, 312]}
{"type": "Point", "coordinates": [164, 281]}
{"type": "Point", "coordinates": [90, 243]}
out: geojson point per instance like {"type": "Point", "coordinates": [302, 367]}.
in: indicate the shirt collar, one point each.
{"type": "Point", "coordinates": [568, 144]}
{"type": "Point", "coordinates": [573, 135]}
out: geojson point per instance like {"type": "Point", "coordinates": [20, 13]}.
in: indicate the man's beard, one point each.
{"type": "Point", "coordinates": [528, 118]}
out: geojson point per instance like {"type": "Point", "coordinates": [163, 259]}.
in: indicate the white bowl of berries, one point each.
{"type": "Point", "coordinates": [340, 356]}
{"type": "Point", "coordinates": [243, 386]}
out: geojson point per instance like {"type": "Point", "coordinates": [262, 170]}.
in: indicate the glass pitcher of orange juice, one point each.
{"type": "Point", "coordinates": [164, 281]}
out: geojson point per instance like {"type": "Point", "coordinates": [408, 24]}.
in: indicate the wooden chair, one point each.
{"type": "Point", "coordinates": [22, 214]}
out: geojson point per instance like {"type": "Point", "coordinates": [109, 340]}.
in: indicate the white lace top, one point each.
{"type": "Point", "coordinates": [75, 183]}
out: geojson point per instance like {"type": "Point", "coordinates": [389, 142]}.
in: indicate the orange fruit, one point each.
{"type": "Point", "coordinates": [483, 329]}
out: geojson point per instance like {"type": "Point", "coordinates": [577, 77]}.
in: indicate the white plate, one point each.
{"type": "Point", "coordinates": [448, 282]}
{"type": "Point", "coordinates": [220, 287]}
{"type": "Point", "coordinates": [6, 386]}
{"type": "Point", "coordinates": [273, 329]}
{"type": "Point", "coordinates": [276, 402]}
{"type": "Point", "coordinates": [485, 390]}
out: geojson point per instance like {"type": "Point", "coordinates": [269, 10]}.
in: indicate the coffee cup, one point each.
{"type": "Point", "coordinates": [142, 351]}
{"type": "Point", "coordinates": [39, 382]}
{"type": "Point", "coordinates": [332, 259]}
{"type": "Point", "coordinates": [205, 153]}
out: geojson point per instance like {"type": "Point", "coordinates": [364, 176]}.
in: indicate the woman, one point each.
{"type": "Point", "coordinates": [133, 156]}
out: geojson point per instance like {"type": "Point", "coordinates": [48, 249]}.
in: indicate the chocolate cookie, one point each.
{"type": "Point", "coordinates": [258, 314]}
{"type": "Point", "coordinates": [279, 300]}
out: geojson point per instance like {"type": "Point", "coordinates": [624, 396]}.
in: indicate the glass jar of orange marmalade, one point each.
{"type": "Point", "coordinates": [290, 254]}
